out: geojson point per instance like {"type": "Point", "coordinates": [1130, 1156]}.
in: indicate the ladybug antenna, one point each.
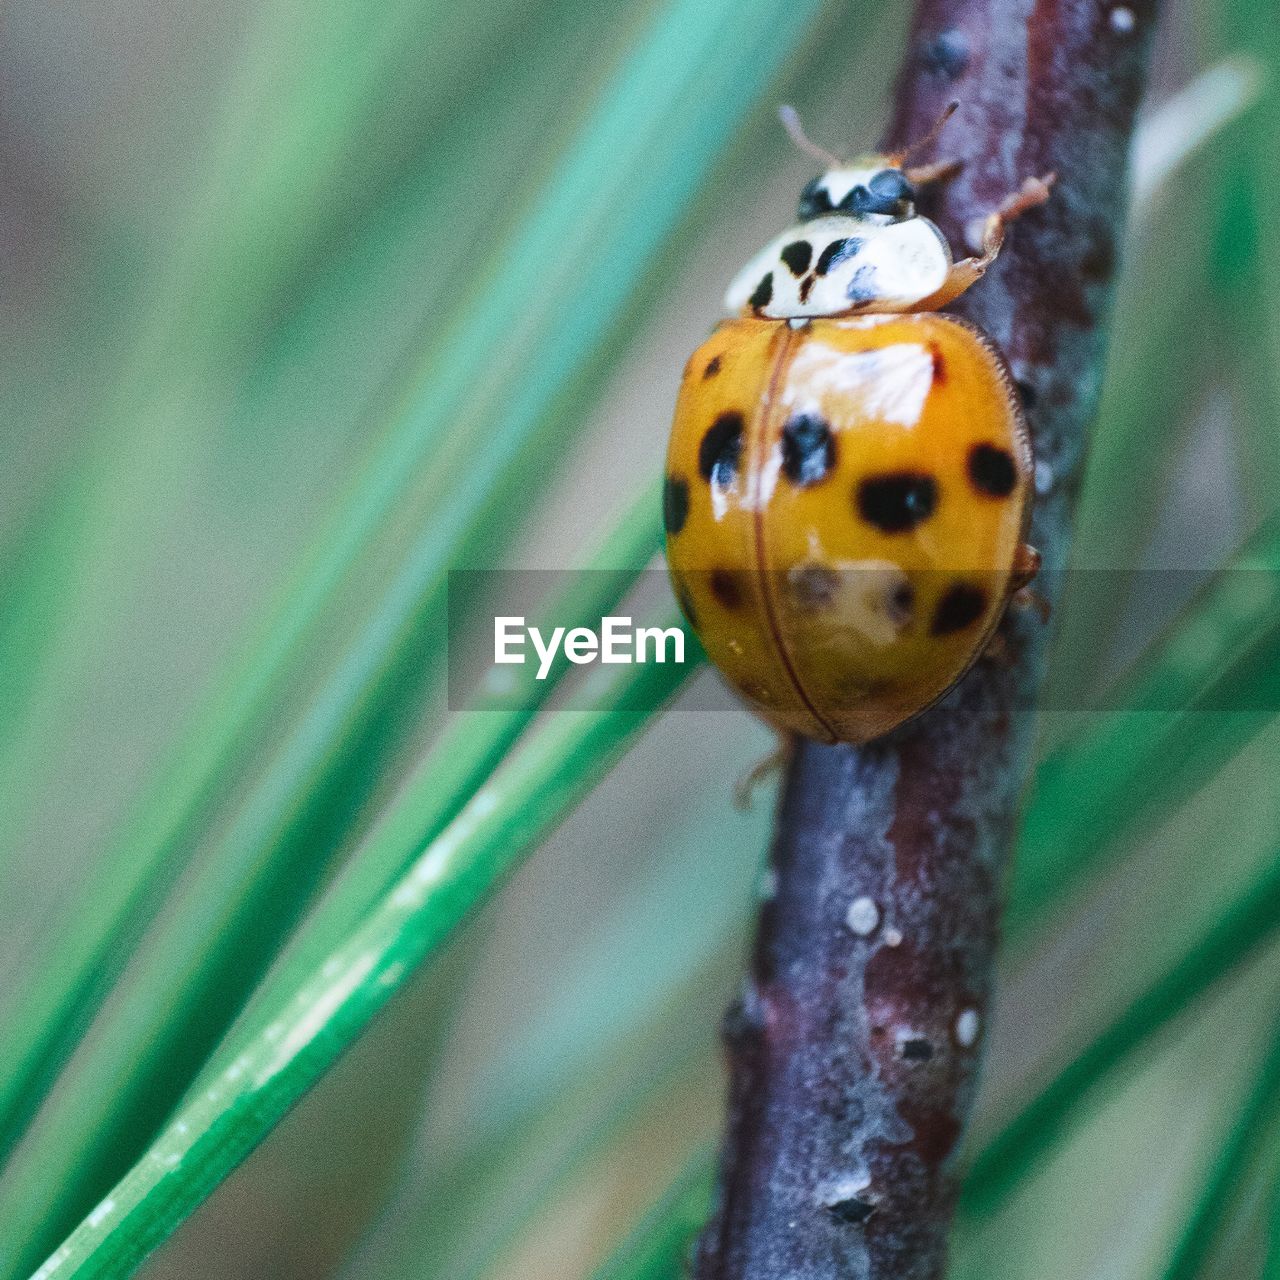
{"type": "Point", "coordinates": [899, 158]}
{"type": "Point", "coordinates": [790, 118]}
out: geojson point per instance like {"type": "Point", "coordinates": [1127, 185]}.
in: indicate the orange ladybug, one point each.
{"type": "Point", "coordinates": [849, 478]}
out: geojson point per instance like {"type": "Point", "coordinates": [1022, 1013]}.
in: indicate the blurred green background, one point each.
{"type": "Point", "coordinates": [305, 305]}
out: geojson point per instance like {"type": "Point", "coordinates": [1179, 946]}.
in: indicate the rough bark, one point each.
{"type": "Point", "coordinates": [855, 1049]}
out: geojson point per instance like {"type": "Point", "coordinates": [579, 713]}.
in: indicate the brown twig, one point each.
{"type": "Point", "coordinates": [854, 1050]}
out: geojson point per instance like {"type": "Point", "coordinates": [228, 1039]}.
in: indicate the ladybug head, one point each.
{"type": "Point", "coordinates": [864, 189]}
{"type": "Point", "coordinates": [877, 188]}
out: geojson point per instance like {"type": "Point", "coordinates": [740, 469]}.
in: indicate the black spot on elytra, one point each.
{"type": "Point", "coordinates": [836, 252]}
{"type": "Point", "coordinates": [939, 365]}
{"type": "Point", "coordinates": [946, 55]}
{"type": "Point", "coordinates": [726, 588]}
{"type": "Point", "coordinates": [960, 607]}
{"type": "Point", "coordinates": [808, 449]}
{"type": "Point", "coordinates": [797, 255]}
{"type": "Point", "coordinates": [812, 586]}
{"type": "Point", "coordinates": [898, 501]}
{"type": "Point", "coordinates": [858, 200]}
{"type": "Point", "coordinates": [713, 367]}
{"type": "Point", "coordinates": [916, 1049]}
{"type": "Point", "coordinates": [675, 503]}
{"type": "Point", "coordinates": [853, 1210]}
{"type": "Point", "coordinates": [900, 604]}
{"type": "Point", "coordinates": [721, 449]}
{"type": "Point", "coordinates": [764, 292]}
{"type": "Point", "coordinates": [992, 470]}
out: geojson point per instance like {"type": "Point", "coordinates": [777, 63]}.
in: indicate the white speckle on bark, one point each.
{"type": "Point", "coordinates": [841, 1189]}
{"type": "Point", "coordinates": [863, 916]}
{"type": "Point", "coordinates": [1123, 19]}
{"type": "Point", "coordinates": [967, 1026]}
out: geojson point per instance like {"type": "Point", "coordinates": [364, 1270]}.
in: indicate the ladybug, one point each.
{"type": "Point", "coordinates": [849, 478]}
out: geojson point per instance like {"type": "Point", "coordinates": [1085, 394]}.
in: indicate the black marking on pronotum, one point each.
{"type": "Point", "coordinates": [992, 470]}
{"type": "Point", "coordinates": [675, 503]}
{"type": "Point", "coordinates": [962, 604]}
{"type": "Point", "coordinates": [808, 449]}
{"type": "Point", "coordinates": [857, 200]}
{"type": "Point", "coordinates": [836, 252]}
{"type": "Point", "coordinates": [764, 292]}
{"type": "Point", "coordinates": [890, 187]}
{"type": "Point", "coordinates": [797, 255]}
{"type": "Point", "coordinates": [898, 501]}
{"type": "Point", "coordinates": [861, 288]}
{"type": "Point", "coordinates": [726, 588]}
{"type": "Point", "coordinates": [815, 199]}
{"type": "Point", "coordinates": [713, 367]}
{"type": "Point", "coordinates": [852, 1209]}
{"type": "Point", "coordinates": [915, 1049]}
{"type": "Point", "coordinates": [721, 448]}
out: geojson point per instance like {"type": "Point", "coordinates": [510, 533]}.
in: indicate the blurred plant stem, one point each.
{"type": "Point", "coordinates": [471, 745]}
{"type": "Point", "coordinates": [207, 1138]}
{"type": "Point", "coordinates": [658, 1247]}
{"type": "Point", "coordinates": [1253, 1127]}
{"type": "Point", "coordinates": [1242, 928]}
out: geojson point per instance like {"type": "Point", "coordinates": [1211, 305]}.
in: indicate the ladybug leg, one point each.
{"type": "Point", "coordinates": [774, 762]}
{"type": "Point", "coordinates": [962, 275]}
{"type": "Point", "coordinates": [968, 271]}
{"type": "Point", "coordinates": [1033, 193]}
{"type": "Point", "coordinates": [1030, 598]}
{"type": "Point", "coordinates": [1022, 596]}
{"type": "Point", "coordinates": [922, 175]}
{"type": "Point", "coordinates": [1026, 564]}
{"type": "Point", "coordinates": [998, 650]}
